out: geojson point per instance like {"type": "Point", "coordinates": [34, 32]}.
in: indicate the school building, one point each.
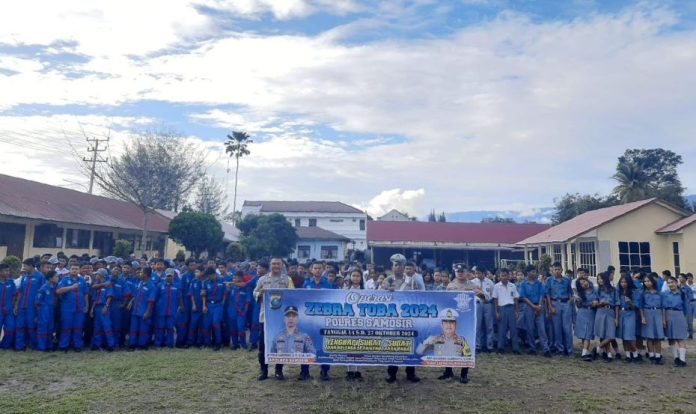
{"type": "Point", "coordinates": [650, 234]}
{"type": "Point", "coordinates": [487, 245]}
{"type": "Point", "coordinates": [37, 218]}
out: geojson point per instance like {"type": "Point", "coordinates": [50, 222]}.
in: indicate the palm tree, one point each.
{"type": "Point", "coordinates": [633, 182]}
{"type": "Point", "coordinates": [236, 146]}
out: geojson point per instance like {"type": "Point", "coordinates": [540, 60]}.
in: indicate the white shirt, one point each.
{"type": "Point", "coordinates": [370, 284]}
{"type": "Point", "coordinates": [505, 294]}
{"type": "Point", "coordinates": [486, 286]}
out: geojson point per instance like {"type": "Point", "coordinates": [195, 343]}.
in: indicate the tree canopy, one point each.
{"type": "Point", "coordinates": [197, 231]}
{"type": "Point", "coordinates": [644, 173]}
{"type": "Point", "coordinates": [267, 235]}
{"type": "Point", "coordinates": [571, 205]}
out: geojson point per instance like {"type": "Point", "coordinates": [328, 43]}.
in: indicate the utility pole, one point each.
{"type": "Point", "coordinates": [95, 150]}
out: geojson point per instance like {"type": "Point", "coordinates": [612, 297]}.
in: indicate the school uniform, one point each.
{"type": "Point", "coordinates": [559, 293]}
{"type": "Point", "coordinates": [628, 314]}
{"type": "Point", "coordinates": [212, 321]}
{"type": "Point", "coordinates": [72, 313]}
{"type": "Point", "coordinates": [167, 306]}
{"type": "Point", "coordinates": [652, 312]}
{"type": "Point", "coordinates": [182, 319]}
{"type": "Point", "coordinates": [506, 294]}
{"type": "Point", "coordinates": [26, 318]}
{"type": "Point", "coordinates": [676, 309]}
{"type": "Point", "coordinates": [8, 292]}
{"type": "Point", "coordinates": [585, 317]}
{"type": "Point", "coordinates": [195, 326]}
{"type": "Point", "coordinates": [45, 303]}
{"type": "Point", "coordinates": [121, 296]}
{"type": "Point", "coordinates": [605, 327]}
{"type": "Point", "coordinates": [536, 323]}
{"type": "Point", "coordinates": [103, 333]}
{"type": "Point", "coordinates": [689, 296]}
{"type": "Point", "coordinates": [238, 302]}
{"type": "Point", "coordinates": [140, 329]}
{"type": "Point", "coordinates": [253, 313]}
{"type": "Point", "coordinates": [313, 284]}
{"type": "Point", "coordinates": [484, 314]}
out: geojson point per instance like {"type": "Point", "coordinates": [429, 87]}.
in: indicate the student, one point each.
{"type": "Point", "coordinates": [195, 326]}
{"type": "Point", "coordinates": [628, 302]}
{"type": "Point", "coordinates": [317, 281]}
{"type": "Point", "coordinates": [121, 292]}
{"type": "Point", "coordinates": [674, 310]}
{"type": "Point", "coordinates": [606, 320]}
{"type": "Point", "coordinates": [651, 318]}
{"type": "Point", "coordinates": [102, 297]}
{"type": "Point", "coordinates": [238, 303]}
{"type": "Point", "coordinates": [559, 298]}
{"type": "Point", "coordinates": [168, 304]}
{"type": "Point", "coordinates": [213, 302]}
{"type": "Point", "coordinates": [74, 305]}
{"type": "Point", "coordinates": [587, 301]}
{"type": "Point", "coordinates": [532, 293]}
{"type": "Point", "coordinates": [428, 280]}
{"type": "Point", "coordinates": [45, 303]}
{"type": "Point", "coordinates": [182, 318]}
{"type": "Point", "coordinates": [688, 296]}
{"type": "Point", "coordinates": [8, 300]}
{"type": "Point", "coordinates": [25, 312]}
{"type": "Point", "coordinates": [356, 283]}
{"type": "Point", "coordinates": [507, 312]}
{"type": "Point", "coordinates": [141, 306]}
{"type": "Point", "coordinates": [437, 281]}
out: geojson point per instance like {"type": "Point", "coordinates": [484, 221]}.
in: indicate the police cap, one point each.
{"type": "Point", "coordinates": [450, 314]}
{"type": "Point", "coordinates": [291, 309]}
{"type": "Point", "coordinates": [398, 259]}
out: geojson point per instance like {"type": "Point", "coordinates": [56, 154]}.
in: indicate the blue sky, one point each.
{"type": "Point", "coordinates": [452, 105]}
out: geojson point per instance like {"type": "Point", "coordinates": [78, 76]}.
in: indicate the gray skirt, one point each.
{"type": "Point", "coordinates": [604, 327]}
{"type": "Point", "coordinates": [627, 325]}
{"type": "Point", "coordinates": [676, 325]}
{"type": "Point", "coordinates": [653, 328]}
{"type": "Point", "coordinates": [584, 324]}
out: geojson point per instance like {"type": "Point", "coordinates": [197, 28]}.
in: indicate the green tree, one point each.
{"type": "Point", "coordinates": [544, 263]}
{"type": "Point", "coordinates": [236, 146]}
{"type": "Point", "coordinates": [197, 231]}
{"type": "Point", "coordinates": [235, 252]}
{"type": "Point", "coordinates": [658, 176]}
{"type": "Point", "coordinates": [442, 218]}
{"type": "Point", "coordinates": [432, 218]}
{"type": "Point", "coordinates": [267, 235]}
{"type": "Point", "coordinates": [123, 249]}
{"type": "Point", "coordinates": [14, 263]}
{"type": "Point", "coordinates": [571, 205]}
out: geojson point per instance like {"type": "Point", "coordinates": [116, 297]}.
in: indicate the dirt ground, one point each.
{"type": "Point", "coordinates": [205, 381]}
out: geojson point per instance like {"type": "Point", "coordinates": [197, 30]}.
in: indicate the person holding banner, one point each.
{"type": "Point", "coordinates": [399, 281]}
{"type": "Point", "coordinates": [274, 280]}
{"type": "Point", "coordinates": [317, 281]}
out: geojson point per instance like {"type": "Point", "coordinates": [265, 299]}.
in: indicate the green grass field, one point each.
{"type": "Point", "coordinates": [206, 381]}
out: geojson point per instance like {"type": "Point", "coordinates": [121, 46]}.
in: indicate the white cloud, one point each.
{"type": "Point", "coordinates": [505, 111]}
{"type": "Point", "coordinates": [406, 201]}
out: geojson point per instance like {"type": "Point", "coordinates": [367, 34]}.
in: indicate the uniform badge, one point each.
{"type": "Point", "coordinates": [276, 302]}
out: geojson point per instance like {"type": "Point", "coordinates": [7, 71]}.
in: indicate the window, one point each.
{"type": "Point", "coordinates": [77, 239]}
{"type": "Point", "coordinates": [303, 252]}
{"type": "Point", "coordinates": [588, 258]}
{"type": "Point", "coordinates": [362, 225]}
{"type": "Point", "coordinates": [329, 252]}
{"type": "Point", "coordinates": [557, 255]}
{"type": "Point", "coordinates": [677, 264]}
{"type": "Point", "coordinates": [298, 222]}
{"type": "Point", "coordinates": [104, 242]}
{"type": "Point", "coordinates": [634, 255]}
{"type": "Point", "coordinates": [312, 222]}
{"type": "Point", "coordinates": [48, 235]}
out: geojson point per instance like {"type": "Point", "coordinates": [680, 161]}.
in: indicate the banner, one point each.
{"type": "Point", "coordinates": [370, 327]}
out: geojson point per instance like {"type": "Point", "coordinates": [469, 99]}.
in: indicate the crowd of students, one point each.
{"type": "Point", "coordinates": [61, 303]}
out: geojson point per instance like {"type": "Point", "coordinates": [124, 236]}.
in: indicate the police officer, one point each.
{"type": "Point", "coordinates": [398, 281]}
{"type": "Point", "coordinates": [291, 340]}
{"type": "Point", "coordinates": [448, 344]}
{"type": "Point", "coordinates": [274, 280]}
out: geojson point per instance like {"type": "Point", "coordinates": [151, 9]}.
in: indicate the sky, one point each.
{"type": "Point", "coordinates": [416, 105]}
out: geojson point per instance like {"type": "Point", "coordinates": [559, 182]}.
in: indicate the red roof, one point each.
{"type": "Point", "coordinates": [29, 199]}
{"type": "Point", "coordinates": [418, 231]}
{"type": "Point", "coordinates": [678, 225]}
{"type": "Point", "coordinates": [583, 223]}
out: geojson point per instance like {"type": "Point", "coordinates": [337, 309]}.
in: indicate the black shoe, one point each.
{"type": "Point", "coordinates": [676, 362]}
{"type": "Point", "coordinates": [252, 347]}
{"type": "Point", "coordinates": [78, 350]}
{"type": "Point", "coordinates": [500, 352]}
{"type": "Point", "coordinates": [391, 379]}
{"type": "Point", "coordinates": [531, 352]}
{"type": "Point", "coordinates": [324, 375]}
{"type": "Point", "coordinates": [217, 348]}
{"type": "Point", "coordinates": [628, 360]}
{"type": "Point", "coordinates": [464, 379]}
{"type": "Point", "coordinates": [130, 349]}
{"type": "Point", "coordinates": [659, 361]}
{"type": "Point", "coordinates": [567, 354]}
{"type": "Point", "coordinates": [94, 348]}
{"type": "Point", "coordinates": [279, 376]}
{"type": "Point", "coordinates": [358, 376]}
{"type": "Point", "coordinates": [618, 355]}
{"type": "Point", "coordinates": [263, 376]}
{"type": "Point", "coordinates": [234, 347]}
{"type": "Point", "coordinates": [446, 375]}
{"type": "Point", "coordinates": [350, 376]}
{"type": "Point", "coordinates": [547, 354]}
{"type": "Point", "coordinates": [413, 378]}
{"type": "Point", "coordinates": [638, 359]}
{"type": "Point", "coordinates": [304, 377]}
{"type": "Point", "coordinates": [517, 352]}
{"type": "Point", "coordinates": [587, 357]}
{"type": "Point", "coordinates": [110, 349]}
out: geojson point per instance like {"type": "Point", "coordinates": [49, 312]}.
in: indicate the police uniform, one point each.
{"type": "Point", "coordinates": [295, 342]}
{"type": "Point", "coordinates": [443, 346]}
